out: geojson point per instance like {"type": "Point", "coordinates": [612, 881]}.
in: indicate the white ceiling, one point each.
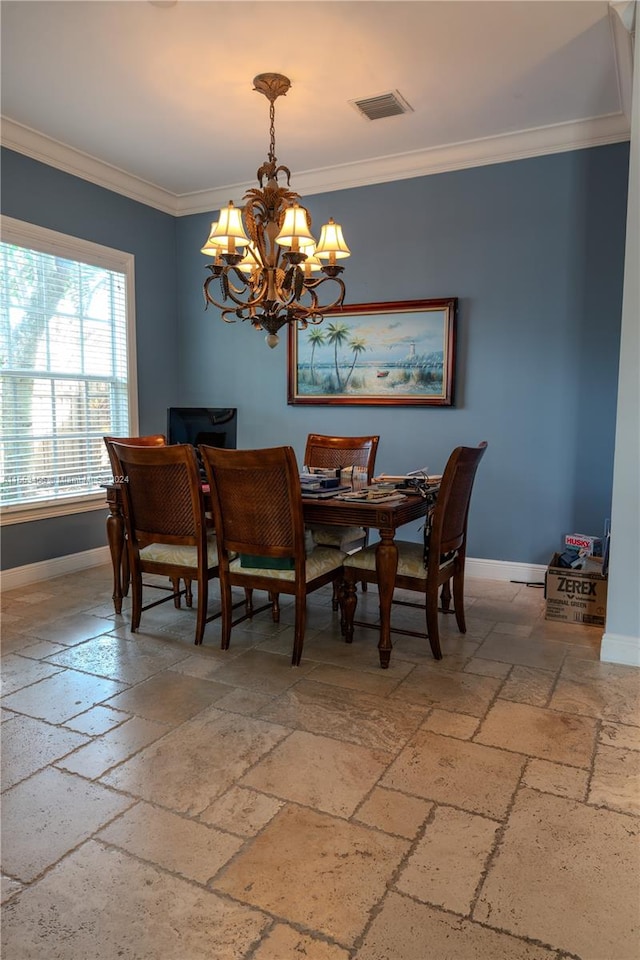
{"type": "Point", "coordinates": [156, 100]}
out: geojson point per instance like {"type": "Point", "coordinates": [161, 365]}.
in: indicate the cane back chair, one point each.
{"type": "Point", "coordinates": [257, 509]}
{"type": "Point", "coordinates": [424, 568]}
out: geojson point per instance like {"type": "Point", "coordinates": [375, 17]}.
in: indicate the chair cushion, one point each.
{"type": "Point", "coordinates": [320, 561]}
{"type": "Point", "coordinates": [327, 535]}
{"type": "Point", "coordinates": [178, 555]}
{"type": "Point", "coordinates": [410, 560]}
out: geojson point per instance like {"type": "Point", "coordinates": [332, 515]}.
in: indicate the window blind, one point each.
{"type": "Point", "coordinates": [63, 374]}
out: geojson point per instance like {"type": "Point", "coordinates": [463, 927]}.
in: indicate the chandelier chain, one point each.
{"type": "Point", "coordinates": [272, 132]}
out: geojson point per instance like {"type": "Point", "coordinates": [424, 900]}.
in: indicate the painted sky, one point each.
{"type": "Point", "coordinates": [387, 336]}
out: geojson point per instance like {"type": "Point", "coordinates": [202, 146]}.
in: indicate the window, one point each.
{"type": "Point", "coordinates": [67, 369]}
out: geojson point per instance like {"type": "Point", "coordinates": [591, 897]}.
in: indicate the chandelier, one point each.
{"type": "Point", "coordinates": [265, 259]}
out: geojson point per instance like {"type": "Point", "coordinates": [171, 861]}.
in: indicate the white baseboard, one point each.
{"type": "Point", "coordinates": [56, 567]}
{"type": "Point", "coordinates": [616, 648]}
{"type": "Point", "coordinates": [505, 570]}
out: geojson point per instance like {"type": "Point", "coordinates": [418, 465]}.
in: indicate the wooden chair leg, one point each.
{"type": "Point", "coordinates": [248, 601]}
{"type": "Point", "coordinates": [175, 583]}
{"type": "Point", "coordinates": [188, 595]}
{"type": "Point", "coordinates": [298, 635]}
{"type": "Point", "coordinates": [275, 606]}
{"type": "Point", "coordinates": [433, 630]}
{"type": "Point", "coordinates": [335, 599]}
{"type": "Point", "coordinates": [203, 596]}
{"type": "Point", "coordinates": [136, 602]}
{"type": "Point", "coordinates": [125, 573]}
{"type": "Point", "coordinates": [227, 616]}
{"type": "Point", "coordinates": [458, 595]}
{"type": "Point", "coordinates": [445, 597]}
{"type": "Point", "coordinates": [349, 599]}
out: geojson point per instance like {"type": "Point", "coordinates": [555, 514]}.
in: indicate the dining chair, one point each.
{"type": "Point", "coordinates": [257, 509]}
{"type": "Point", "coordinates": [340, 453]}
{"type": "Point", "coordinates": [149, 440]}
{"type": "Point", "coordinates": [425, 567]}
{"type": "Point", "coordinates": [165, 522]}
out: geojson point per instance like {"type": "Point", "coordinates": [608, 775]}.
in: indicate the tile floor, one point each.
{"type": "Point", "coordinates": [167, 802]}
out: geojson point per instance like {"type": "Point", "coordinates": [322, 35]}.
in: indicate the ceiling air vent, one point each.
{"type": "Point", "coordinates": [384, 105]}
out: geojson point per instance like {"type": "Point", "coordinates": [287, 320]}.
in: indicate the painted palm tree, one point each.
{"type": "Point", "coordinates": [337, 333]}
{"type": "Point", "coordinates": [316, 339]}
{"type": "Point", "coordinates": [357, 345]}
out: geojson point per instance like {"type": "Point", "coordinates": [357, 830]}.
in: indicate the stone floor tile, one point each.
{"type": "Point", "coordinates": [557, 878]}
{"type": "Point", "coordinates": [604, 690]}
{"type": "Point", "coordinates": [168, 697]}
{"type": "Point", "coordinates": [458, 725]}
{"type": "Point", "coordinates": [346, 715]}
{"type": "Point", "coordinates": [545, 654]}
{"type": "Point", "coordinates": [620, 735]}
{"type": "Point", "coordinates": [247, 702]}
{"type": "Point", "coordinates": [193, 850]}
{"type": "Point", "coordinates": [457, 650]}
{"type": "Point", "coordinates": [19, 672]}
{"type": "Point", "coordinates": [69, 630]}
{"type": "Point", "coordinates": [513, 629]}
{"type": "Point", "coordinates": [331, 889]}
{"type": "Point", "coordinates": [241, 811]}
{"type": "Point", "coordinates": [117, 659]}
{"type": "Point", "coordinates": [284, 942]}
{"type": "Point", "coordinates": [62, 696]}
{"type": "Point", "coordinates": [413, 931]}
{"type": "Point", "coordinates": [497, 611]}
{"type": "Point", "coordinates": [29, 745]}
{"type": "Point", "coordinates": [454, 691]}
{"type": "Point", "coordinates": [487, 668]}
{"type": "Point", "coordinates": [394, 813]}
{"type": "Point", "coordinates": [448, 861]}
{"type": "Point", "coordinates": [9, 888]}
{"type": "Point", "coordinates": [103, 904]}
{"type": "Point", "coordinates": [616, 779]}
{"type": "Point", "coordinates": [468, 775]}
{"type": "Point", "coordinates": [529, 685]}
{"type": "Point", "coordinates": [96, 721]}
{"type": "Point", "coordinates": [556, 778]}
{"type": "Point", "coordinates": [547, 734]}
{"type": "Point", "coordinates": [112, 748]}
{"type": "Point", "coordinates": [262, 671]}
{"type": "Point", "coordinates": [330, 775]}
{"type": "Point", "coordinates": [379, 683]}
{"type": "Point", "coordinates": [222, 746]}
{"type": "Point", "coordinates": [39, 649]}
{"type": "Point", "coordinates": [48, 815]}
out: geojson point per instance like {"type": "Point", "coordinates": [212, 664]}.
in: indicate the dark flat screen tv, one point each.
{"type": "Point", "coordinates": [213, 426]}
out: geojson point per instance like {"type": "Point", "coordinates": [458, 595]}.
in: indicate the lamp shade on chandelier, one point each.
{"type": "Point", "coordinates": [267, 266]}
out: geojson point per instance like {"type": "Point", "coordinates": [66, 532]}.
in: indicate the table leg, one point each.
{"type": "Point", "coordinates": [115, 539]}
{"type": "Point", "coordinates": [386, 567]}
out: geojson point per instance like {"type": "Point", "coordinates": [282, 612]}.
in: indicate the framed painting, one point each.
{"type": "Point", "coordinates": [402, 352]}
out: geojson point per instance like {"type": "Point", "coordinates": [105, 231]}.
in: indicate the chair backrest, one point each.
{"type": "Point", "coordinates": [256, 499]}
{"type": "Point", "coordinates": [162, 494]}
{"type": "Point", "coordinates": [449, 528]}
{"type": "Point", "coordinates": [335, 452]}
{"type": "Point", "coordinates": [150, 440]}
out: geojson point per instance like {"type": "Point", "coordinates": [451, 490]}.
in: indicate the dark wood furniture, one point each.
{"type": "Point", "coordinates": [446, 551]}
{"type": "Point", "coordinates": [336, 453]}
{"type": "Point", "coordinates": [162, 501]}
{"type": "Point", "coordinates": [384, 517]}
{"type": "Point", "coordinates": [258, 517]}
{"type": "Point", "coordinates": [148, 440]}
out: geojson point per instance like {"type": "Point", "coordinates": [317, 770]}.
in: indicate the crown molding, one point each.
{"type": "Point", "coordinates": [36, 145]}
{"type": "Point", "coordinates": [540, 141]}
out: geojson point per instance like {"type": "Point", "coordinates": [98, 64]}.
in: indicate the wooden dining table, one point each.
{"type": "Point", "coordinates": [385, 517]}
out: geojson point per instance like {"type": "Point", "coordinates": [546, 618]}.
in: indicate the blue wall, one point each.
{"type": "Point", "coordinates": [534, 250]}
{"type": "Point", "coordinates": [37, 193]}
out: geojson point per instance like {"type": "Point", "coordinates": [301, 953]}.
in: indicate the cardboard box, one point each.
{"type": "Point", "coordinates": [576, 596]}
{"type": "Point", "coordinates": [580, 541]}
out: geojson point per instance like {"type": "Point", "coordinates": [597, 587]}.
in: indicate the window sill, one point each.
{"type": "Point", "coordinates": [52, 508]}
